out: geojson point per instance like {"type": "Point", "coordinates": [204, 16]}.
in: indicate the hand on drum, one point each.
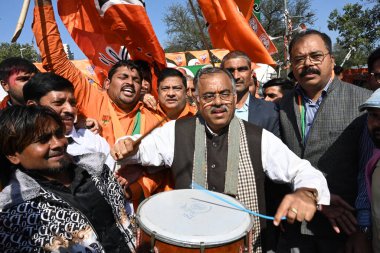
{"type": "Point", "coordinates": [300, 205]}
{"type": "Point", "coordinates": [123, 148]}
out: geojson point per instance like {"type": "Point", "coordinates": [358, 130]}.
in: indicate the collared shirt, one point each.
{"type": "Point", "coordinates": [187, 111]}
{"type": "Point", "coordinates": [85, 141]}
{"type": "Point", "coordinates": [279, 163]}
{"type": "Point", "coordinates": [362, 203]}
{"type": "Point", "coordinates": [83, 195]}
{"type": "Point", "coordinates": [242, 113]}
{"type": "Point", "coordinates": [311, 107]}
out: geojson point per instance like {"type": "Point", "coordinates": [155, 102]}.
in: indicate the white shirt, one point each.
{"type": "Point", "coordinates": [279, 162]}
{"type": "Point", "coordinates": [86, 142]}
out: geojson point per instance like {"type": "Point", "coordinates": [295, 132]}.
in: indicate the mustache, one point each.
{"type": "Point", "coordinates": [214, 108]}
{"type": "Point", "coordinates": [67, 116]}
{"type": "Point", "coordinates": [57, 152]}
{"type": "Point", "coordinates": [310, 71]}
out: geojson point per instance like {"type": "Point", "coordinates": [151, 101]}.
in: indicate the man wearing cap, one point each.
{"type": "Point", "coordinates": [372, 171]}
{"type": "Point", "coordinates": [249, 108]}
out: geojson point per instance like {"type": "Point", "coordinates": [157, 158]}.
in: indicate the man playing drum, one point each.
{"type": "Point", "coordinates": [224, 154]}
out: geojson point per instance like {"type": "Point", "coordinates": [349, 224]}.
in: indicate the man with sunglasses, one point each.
{"type": "Point", "coordinates": [320, 123]}
{"type": "Point", "coordinates": [225, 154]}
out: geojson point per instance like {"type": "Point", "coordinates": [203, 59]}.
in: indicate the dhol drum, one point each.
{"type": "Point", "coordinates": [192, 221]}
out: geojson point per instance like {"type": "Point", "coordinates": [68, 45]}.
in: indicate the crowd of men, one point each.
{"type": "Point", "coordinates": [76, 160]}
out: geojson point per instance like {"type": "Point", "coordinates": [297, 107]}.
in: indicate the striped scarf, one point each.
{"type": "Point", "coordinates": [240, 176]}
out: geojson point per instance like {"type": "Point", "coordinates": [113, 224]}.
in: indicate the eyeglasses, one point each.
{"type": "Point", "coordinates": [376, 76]}
{"type": "Point", "coordinates": [315, 58]}
{"type": "Point", "coordinates": [209, 97]}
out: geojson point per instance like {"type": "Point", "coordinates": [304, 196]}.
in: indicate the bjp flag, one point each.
{"type": "Point", "coordinates": [245, 7]}
{"type": "Point", "coordinates": [108, 30]}
{"type": "Point", "coordinates": [228, 29]}
{"type": "Point", "coordinates": [263, 36]}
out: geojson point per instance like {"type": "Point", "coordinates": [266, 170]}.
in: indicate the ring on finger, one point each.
{"type": "Point", "coordinates": [293, 210]}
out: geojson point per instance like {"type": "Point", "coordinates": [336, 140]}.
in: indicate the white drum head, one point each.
{"type": "Point", "coordinates": [188, 217]}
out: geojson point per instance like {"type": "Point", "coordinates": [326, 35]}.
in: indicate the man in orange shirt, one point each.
{"type": "Point", "coordinates": [172, 104]}
{"type": "Point", "coordinates": [117, 109]}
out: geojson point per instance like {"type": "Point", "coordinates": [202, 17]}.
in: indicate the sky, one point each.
{"type": "Point", "coordinates": [10, 11]}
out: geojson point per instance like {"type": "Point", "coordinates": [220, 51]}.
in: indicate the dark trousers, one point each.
{"type": "Point", "coordinates": [291, 243]}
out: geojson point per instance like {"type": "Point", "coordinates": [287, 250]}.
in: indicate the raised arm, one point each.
{"type": "Point", "coordinates": [54, 58]}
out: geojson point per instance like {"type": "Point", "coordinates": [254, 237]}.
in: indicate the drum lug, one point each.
{"type": "Point", "coordinates": [203, 247]}
{"type": "Point", "coordinates": [246, 242]}
{"type": "Point", "coordinates": [153, 242]}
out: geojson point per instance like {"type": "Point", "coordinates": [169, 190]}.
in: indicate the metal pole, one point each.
{"type": "Point", "coordinates": [287, 37]}
{"type": "Point", "coordinates": [201, 32]}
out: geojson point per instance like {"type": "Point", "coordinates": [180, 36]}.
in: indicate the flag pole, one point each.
{"type": "Point", "coordinates": [201, 32]}
{"type": "Point", "coordinates": [21, 20]}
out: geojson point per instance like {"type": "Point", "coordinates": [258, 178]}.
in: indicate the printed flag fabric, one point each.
{"type": "Point", "coordinates": [257, 9]}
{"type": "Point", "coordinates": [245, 7]}
{"type": "Point", "coordinates": [108, 30]}
{"type": "Point", "coordinates": [228, 29]}
{"type": "Point", "coordinates": [263, 36]}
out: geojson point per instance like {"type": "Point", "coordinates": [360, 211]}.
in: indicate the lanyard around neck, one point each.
{"type": "Point", "coordinates": [301, 108]}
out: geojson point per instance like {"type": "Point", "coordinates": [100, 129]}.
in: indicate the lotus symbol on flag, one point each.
{"type": "Point", "coordinates": [111, 56]}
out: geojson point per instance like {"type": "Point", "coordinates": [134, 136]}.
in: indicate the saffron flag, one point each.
{"type": "Point", "coordinates": [108, 30]}
{"type": "Point", "coordinates": [245, 7]}
{"type": "Point", "coordinates": [263, 36]}
{"type": "Point", "coordinates": [228, 29]}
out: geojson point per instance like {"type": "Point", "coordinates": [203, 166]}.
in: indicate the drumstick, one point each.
{"type": "Point", "coordinates": [136, 142]}
{"type": "Point", "coordinates": [21, 20]}
{"type": "Point", "coordinates": [198, 187]}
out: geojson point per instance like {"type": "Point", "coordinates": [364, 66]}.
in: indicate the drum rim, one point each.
{"type": "Point", "coordinates": [188, 244]}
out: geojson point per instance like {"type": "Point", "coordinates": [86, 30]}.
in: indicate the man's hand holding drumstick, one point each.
{"type": "Point", "coordinates": [125, 147]}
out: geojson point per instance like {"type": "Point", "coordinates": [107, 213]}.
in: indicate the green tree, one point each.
{"type": "Point", "coordinates": [182, 29]}
{"type": "Point", "coordinates": [358, 27]}
{"type": "Point", "coordinates": [184, 33]}
{"type": "Point", "coordinates": [272, 15]}
{"type": "Point", "coordinates": [273, 19]}
{"type": "Point", "coordinates": [26, 51]}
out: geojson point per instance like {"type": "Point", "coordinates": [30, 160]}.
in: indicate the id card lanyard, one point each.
{"type": "Point", "coordinates": [301, 108]}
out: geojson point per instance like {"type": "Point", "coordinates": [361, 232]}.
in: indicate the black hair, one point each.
{"type": "Point", "coordinates": [171, 72]}
{"type": "Point", "coordinates": [326, 39]}
{"type": "Point", "coordinates": [284, 84]}
{"type": "Point", "coordinates": [338, 69]}
{"type": "Point", "coordinates": [23, 125]}
{"type": "Point", "coordinates": [373, 57]}
{"type": "Point", "coordinates": [145, 69]}
{"type": "Point", "coordinates": [13, 65]}
{"type": "Point", "coordinates": [42, 83]}
{"type": "Point", "coordinates": [125, 63]}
